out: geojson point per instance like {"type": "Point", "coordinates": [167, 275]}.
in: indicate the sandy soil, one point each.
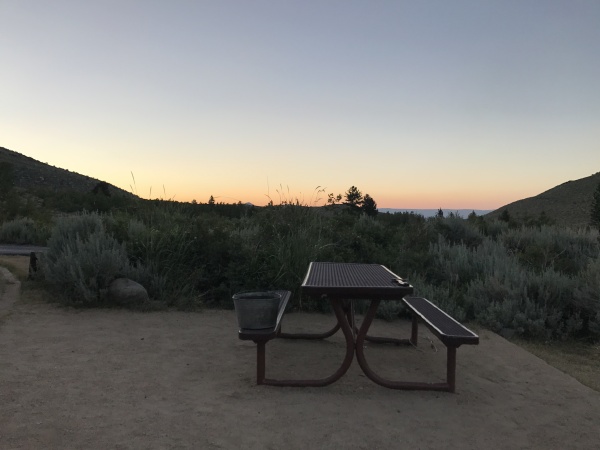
{"type": "Point", "coordinates": [119, 379]}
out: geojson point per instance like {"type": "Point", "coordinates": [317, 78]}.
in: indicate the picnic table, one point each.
{"type": "Point", "coordinates": [341, 284]}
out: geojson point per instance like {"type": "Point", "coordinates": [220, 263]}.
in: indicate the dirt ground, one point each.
{"type": "Point", "coordinates": [119, 379]}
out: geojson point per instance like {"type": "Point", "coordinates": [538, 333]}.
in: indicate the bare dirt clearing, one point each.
{"type": "Point", "coordinates": [120, 379]}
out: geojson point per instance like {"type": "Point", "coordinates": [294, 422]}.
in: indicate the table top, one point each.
{"type": "Point", "coordinates": [354, 280]}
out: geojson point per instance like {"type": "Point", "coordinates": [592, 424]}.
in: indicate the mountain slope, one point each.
{"type": "Point", "coordinates": [28, 173]}
{"type": "Point", "coordinates": [567, 204]}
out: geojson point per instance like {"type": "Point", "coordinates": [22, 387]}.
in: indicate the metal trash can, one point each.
{"type": "Point", "coordinates": [256, 310]}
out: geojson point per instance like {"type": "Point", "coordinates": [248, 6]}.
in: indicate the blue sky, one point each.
{"type": "Point", "coordinates": [421, 104]}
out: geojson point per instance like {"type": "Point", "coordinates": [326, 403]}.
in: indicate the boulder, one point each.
{"type": "Point", "coordinates": [126, 292]}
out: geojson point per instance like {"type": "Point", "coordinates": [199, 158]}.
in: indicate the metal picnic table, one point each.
{"type": "Point", "coordinates": [341, 284]}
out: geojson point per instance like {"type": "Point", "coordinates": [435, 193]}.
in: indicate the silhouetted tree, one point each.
{"type": "Point", "coordinates": [369, 206]}
{"type": "Point", "coordinates": [211, 201]}
{"type": "Point", "coordinates": [440, 214]}
{"type": "Point", "coordinates": [595, 210]}
{"type": "Point", "coordinates": [333, 200]}
{"type": "Point", "coordinates": [354, 198]}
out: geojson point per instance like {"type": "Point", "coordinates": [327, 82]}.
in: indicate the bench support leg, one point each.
{"type": "Point", "coordinates": [393, 384]}
{"type": "Point", "coordinates": [451, 368]}
{"type": "Point", "coordinates": [414, 334]}
{"type": "Point", "coordinates": [260, 362]}
{"type": "Point", "coordinates": [342, 318]}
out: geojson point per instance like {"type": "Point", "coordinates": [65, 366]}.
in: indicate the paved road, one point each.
{"type": "Point", "coordinates": [11, 249]}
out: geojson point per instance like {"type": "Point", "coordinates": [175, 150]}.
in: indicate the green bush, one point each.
{"type": "Point", "coordinates": [490, 284]}
{"type": "Point", "coordinates": [457, 231]}
{"type": "Point", "coordinates": [442, 295]}
{"type": "Point", "coordinates": [23, 231]}
{"type": "Point", "coordinates": [82, 259]}
{"type": "Point", "coordinates": [566, 250]}
{"type": "Point", "coordinates": [506, 302]}
{"type": "Point", "coordinates": [168, 253]}
{"type": "Point", "coordinates": [274, 249]}
{"type": "Point", "coordinates": [586, 298]}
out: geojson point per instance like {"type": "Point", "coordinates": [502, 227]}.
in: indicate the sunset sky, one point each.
{"type": "Point", "coordinates": [421, 104]}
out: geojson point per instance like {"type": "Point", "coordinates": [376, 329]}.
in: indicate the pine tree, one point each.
{"type": "Point", "coordinates": [354, 198]}
{"type": "Point", "coordinates": [369, 206]}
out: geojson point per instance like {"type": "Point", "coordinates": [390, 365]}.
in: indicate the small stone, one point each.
{"type": "Point", "coordinates": [126, 292]}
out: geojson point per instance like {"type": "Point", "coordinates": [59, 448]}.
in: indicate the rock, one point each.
{"type": "Point", "coordinates": [126, 292]}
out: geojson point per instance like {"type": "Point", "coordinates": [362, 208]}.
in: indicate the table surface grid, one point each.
{"type": "Point", "coordinates": [350, 275]}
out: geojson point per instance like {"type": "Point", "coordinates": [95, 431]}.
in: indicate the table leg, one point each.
{"type": "Point", "coordinates": [360, 356]}
{"type": "Point", "coordinates": [343, 323]}
{"type": "Point", "coordinates": [348, 306]}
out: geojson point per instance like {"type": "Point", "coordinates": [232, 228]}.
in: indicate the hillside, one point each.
{"type": "Point", "coordinates": [567, 204]}
{"type": "Point", "coordinates": [29, 174]}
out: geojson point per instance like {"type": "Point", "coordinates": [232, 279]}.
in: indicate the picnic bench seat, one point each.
{"type": "Point", "coordinates": [262, 336]}
{"type": "Point", "coordinates": [452, 334]}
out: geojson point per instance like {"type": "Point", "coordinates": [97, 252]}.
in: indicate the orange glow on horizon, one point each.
{"type": "Point", "coordinates": [427, 201]}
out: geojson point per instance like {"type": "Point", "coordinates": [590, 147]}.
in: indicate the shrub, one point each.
{"type": "Point", "coordinates": [457, 265]}
{"type": "Point", "coordinates": [457, 231]}
{"type": "Point", "coordinates": [563, 249]}
{"type": "Point", "coordinates": [23, 231]}
{"type": "Point", "coordinates": [490, 285]}
{"type": "Point", "coordinates": [503, 302]}
{"type": "Point", "coordinates": [166, 258]}
{"type": "Point", "coordinates": [370, 239]}
{"type": "Point", "coordinates": [82, 260]}
{"type": "Point", "coordinates": [586, 298]}
{"type": "Point", "coordinates": [441, 295]}
{"type": "Point", "coordinates": [494, 228]}
{"type": "Point", "coordinates": [273, 251]}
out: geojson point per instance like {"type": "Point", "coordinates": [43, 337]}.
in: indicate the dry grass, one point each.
{"type": "Point", "coordinates": [15, 265]}
{"type": "Point", "coordinates": [581, 361]}
{"type": "Point", "coordinates": [18, 265]}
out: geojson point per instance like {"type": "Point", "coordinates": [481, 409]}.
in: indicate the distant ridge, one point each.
{"type": "Point", "coordinates": [29, 174]}
{"type": "Point", "coordinates": [568, 204]}
{"type": "Point", "coordinates": [464, 213]}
